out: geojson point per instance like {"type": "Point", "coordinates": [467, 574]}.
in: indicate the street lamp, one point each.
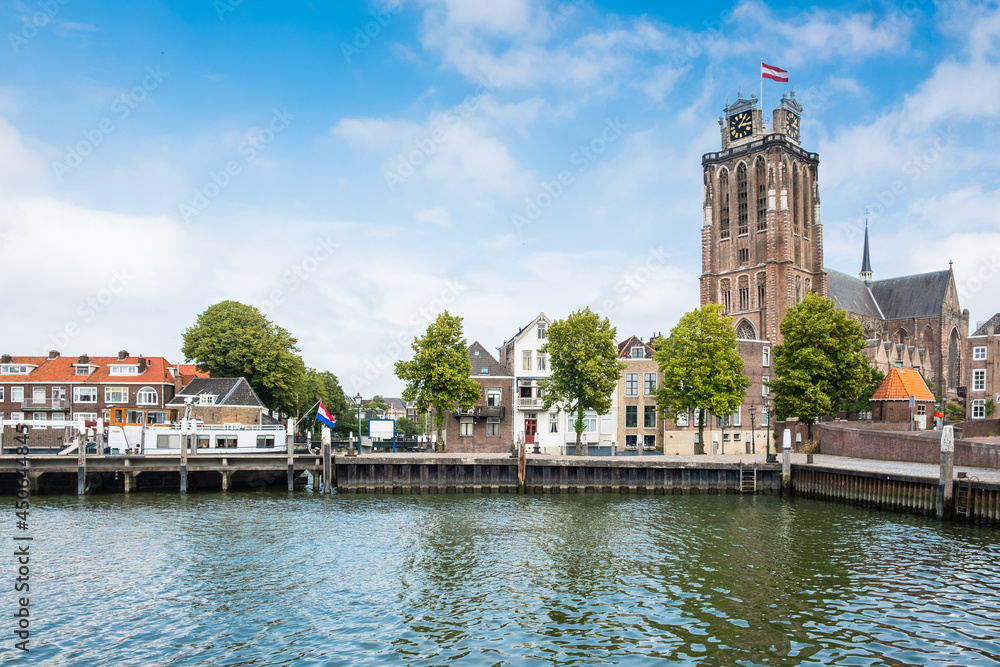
{"type": "Point", "coordinates": [357, 402]}
{"type": "Point", "coordinates": [766, 410]}
{"type": "Point", "coordinates": [753, 440]}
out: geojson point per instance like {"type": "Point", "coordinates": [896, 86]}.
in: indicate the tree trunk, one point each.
{"type": "Point", "coordinates": [578, 427]}
{"type": "Point", "coordinates": [809, 430]}
{"type": "Point", "coordinates": [699, 447]}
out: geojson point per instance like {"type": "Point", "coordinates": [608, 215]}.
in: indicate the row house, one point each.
{"type": "Point", "coordinates": [60, 389]}
{"type": "Point", "coordinates": [551, 430]}
{"type": "Point", "coordinates": [983, 375]}
{"type": "Point", "coordinates": [488, 426]}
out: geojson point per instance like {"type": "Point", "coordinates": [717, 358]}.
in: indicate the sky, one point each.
{"type": "Point", "coordinates": [353, 169]}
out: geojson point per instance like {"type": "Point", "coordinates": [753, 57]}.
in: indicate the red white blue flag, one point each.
{"type": "Point", "coordinates": [324, 416]}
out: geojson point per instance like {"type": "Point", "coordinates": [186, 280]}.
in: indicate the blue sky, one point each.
{"type": "Point", "coordinates": [352, 168]}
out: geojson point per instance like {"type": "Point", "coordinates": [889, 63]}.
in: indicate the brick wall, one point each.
{"type": "Point", "coordinates": [843, 440]}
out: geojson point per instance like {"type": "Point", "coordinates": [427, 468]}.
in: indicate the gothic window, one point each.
{"type": "Point", "coordinates": [806, 201]}
{"type": "Point", "coordinates": [744, 256]}
{"type": "Point", "coordinates": [793, 197]}
{"type": "Point", "coordinates": [726, 295]}
{"type": "Point", "coordinates": [742, 197]}
{"type": "Point", "coordinates": [761, 197]}
{"type": "Point", "coordinates": [809, 285]}
{"type": "Point", "coordinates": [900, 336]}
{"type": "Point", "coordinates": [745, 331]}
{"type": "Point", "coordinates": [798, 289]}
{"type": "Point", "coordinates": [744, 293]}
{"type": "Point", "coordinates": [724, 204]}
{"type": "Point", "coordinates": [761, 289]}
{"type": "Point", "coordinates": [954, 361]}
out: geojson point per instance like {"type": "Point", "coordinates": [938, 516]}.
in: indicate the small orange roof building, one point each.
{"type": "Point", "coordinates": [901, 383]}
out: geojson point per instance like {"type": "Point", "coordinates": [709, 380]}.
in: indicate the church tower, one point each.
{"type": "Point", "coordinates": [762, 241]}
{"type": "Point", "coordinates": [866, 275]}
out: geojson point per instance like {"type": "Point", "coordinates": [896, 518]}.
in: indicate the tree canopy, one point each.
{"type": "Point", "coordinates": [324, 386]}
{"type": "Point", "coordinates": [820, 363]}
{"type": "Point", "coordinates": [585, 368]}
{"type": "Point", "coordinates": [438, 376]}
{"type": "Point", "coordinates": [702, 369]}
{"type": "Point", "coordinates": [231, 339]}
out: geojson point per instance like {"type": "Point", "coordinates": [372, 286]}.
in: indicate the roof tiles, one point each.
{"type": "Point", "coordinates": [901, 383]}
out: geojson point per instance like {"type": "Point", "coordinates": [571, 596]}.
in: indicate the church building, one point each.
{"type": "Point", "coordinates": [762, 252]}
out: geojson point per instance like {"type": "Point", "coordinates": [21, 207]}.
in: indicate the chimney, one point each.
{"type": "Point", "coordinates": [84, 359]}
{"type": "Point", "coordinates": [122, 355]}
{"type": "Point", "coordinates": [142, 364]}
{"type": "Point", "coordinates": [53, 354]}
{"type": "Point", "coordinates": [6, 359]}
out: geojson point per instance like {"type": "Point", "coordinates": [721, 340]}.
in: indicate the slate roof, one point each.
{"type": "Point", "coordinates": [901, 383]}
{"type": "Point", "coordinates": [920, 295]}
{"type": "Point", "coordinates": [482, 360]}
{"type": "Point", "coordinates": [851, 294]}
{"type": "Point", "coordinates": [625, 347]}
{"type": "Point", "coordinates": [396, 404]}
{"type": "Point", "coordinates": [228, 391]}
{"type": "Point", "coordinates": [992, 322]}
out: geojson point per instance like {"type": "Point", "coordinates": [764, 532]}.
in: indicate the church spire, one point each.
{"type": "Point", "coordinates": [866, 260]}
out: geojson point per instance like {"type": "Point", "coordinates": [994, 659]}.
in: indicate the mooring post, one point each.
{"type": "Point", "coordinates": [290, 447]}
{"type": "Point", "coordinates": [786, 461]}
{"type": "Point", "coordinates": [81, 464]}
{"type": "Point", "coordinates": [522, 463]}
{"type": "Point", "coordinates": [327, 465]}
{"type": "Point", "coordinates": [185, 443]}
{"type": "Point", "coordinates": [944, 502]}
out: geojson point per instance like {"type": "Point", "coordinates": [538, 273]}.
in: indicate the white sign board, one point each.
{"type": "Point", "coordinates": [381, 429]}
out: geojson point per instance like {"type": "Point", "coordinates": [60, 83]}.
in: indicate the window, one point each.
{"type": "Point", "coordinates": [526, 360]}
{"type": "Point", "coordinates": [17, 416]}
{"type": "Point", "coordinates": [921, 410]}
{"type": "Point", "coordinates": [744, 294]}
{"type": "Point", "coordinates": [979, 408]}
{"type": "Point", "coordinates": [203, 442]}
{"type": "Point", "coordinates": [83, 370]}
{"type": "Point", "coordinates": [649, 416]}
{"type": "Point", "coordinates": [17, 394]}
{"type": "Point", "coordinates": [766, 354]}
{"type": "Point", "coordinates": [630, 441]}
{"type": "Point", "coordinates": [649, 384]}
{"type": "Point", "coordinates": [727, 301]}
{"type": "Point", "coordinates": [226, 441]}
{"type": "Point", "coordinates": [1, 393]}
{"type": "Point", "coordinates": [493, 426]}
{"type": "Point", "coordinates": [761, 294]}
{"type": "Point", "coordinates": [764, 389]}
{"type": "Point", "coordinates": [682, 419]}
{"type": "Point", "coordinates": [39, 416]}
{"type": "Point", "coordinates": [724, 208]}
{"type": "Point", "coordinates": [638, 352]}
{"type": "Point", "coordinates": [265, 442]}
{"type": "Point", "coordinates": [541, 329]}
{"type": "Point", "coordinates": [38, 394]}
{"type": "Point", "coordinates": [493, 395]}
{"type": "Point", "coordinates": [116, 394]}
{"type": "Point", "coordinates": [742, 198]}
{"type": "Point", "coordinates": [761, 197]}
{"type": "Point", "coordinates": [146, 396]}
{"type": "Point", "coordinates": [206, 399]}
{"type": "Point", "coordinates": [465, 428]}
{"type": "Point", "coordinates": [85, 394]}
{"type": "Point", "coordinates": [590, 422]}
{"type": "Point", "coordinates": [979, 353]}
{"type": "Point", "coordinates": [764, 418]}
{"type": "Point", "coordinates": [85, 416]}
{"type": "Point", "coordinates": [631, 384]}
{"type": "Point", "coordinates": [631, 416]}
{"type": "Point", "coordinates": [543, 361]}
{"type": "Point", "coordinates": [649, 442]}
{"type": "Point", "coordinates": [123, 370]}
{"type": "Point", "coordinates": [605, 424]}
{"type": "Point", "coordinates": [58, 394]}
{"type": "Point", "coordinates": [553, 422]}
{"type": "Point", "coordinates": [168, 441]}
{"type": "Point", "coordinates": [979, 379]}
{"type": "Point", "coordinates": [156, 417]}
{"type": "Point", "coordinates": [736, 416]}
{"type": "Point", "coordinates": [135, 417]}
{"type": "Point", "coordinates": [17, 369]}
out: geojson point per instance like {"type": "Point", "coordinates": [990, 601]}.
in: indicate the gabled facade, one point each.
{"type": "Point", "coordinates": [220, 401]}
{"type": "Point", "coordinates": [891, 401]}
{"type": "Point", "coordinates": [488, 425]}
{"type": "Point", "coordinates": [983, 375]}
{"type": "Point", "coordinates": [639, 423]}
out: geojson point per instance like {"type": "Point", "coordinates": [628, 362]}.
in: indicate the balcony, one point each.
{"type": "Point", "coordinates": [30, 403]}
{"type": "Point", "coordinates": [489, 411]}
{"type": "Point", "coordinates": [530, 403]}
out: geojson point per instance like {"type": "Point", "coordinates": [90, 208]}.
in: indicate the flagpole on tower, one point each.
{"type": "Point", "coordinates": [762, 107]}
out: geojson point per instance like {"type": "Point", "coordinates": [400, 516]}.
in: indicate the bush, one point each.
{"type": "Point", "coordinates": [810, 447]}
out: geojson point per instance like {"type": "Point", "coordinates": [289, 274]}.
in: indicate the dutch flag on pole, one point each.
{"type": "Point", "coordinates": [324, 416]}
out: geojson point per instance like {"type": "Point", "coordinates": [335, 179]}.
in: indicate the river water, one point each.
{"type": "Point", "coordinates": [277, 579]}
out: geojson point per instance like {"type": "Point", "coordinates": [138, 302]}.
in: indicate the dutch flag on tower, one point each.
{"type": "Point", "coordinates": [324, 416]}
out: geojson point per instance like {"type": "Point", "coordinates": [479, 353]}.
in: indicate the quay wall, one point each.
{"type": "Point", "coordinates": [840, 439]}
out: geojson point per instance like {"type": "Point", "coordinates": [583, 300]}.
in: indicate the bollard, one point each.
{"type": "Point", "coordinates": [944, 502]}
{"type": "Point", "coordinates": [325, 439]}
{"type": "Point", "coordinates": [290, 449]}
{"type": "Point", "coordinates": [786, 461]}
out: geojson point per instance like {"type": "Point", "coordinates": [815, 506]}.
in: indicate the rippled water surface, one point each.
{"type": "Point", "coordinates": [273, 579]}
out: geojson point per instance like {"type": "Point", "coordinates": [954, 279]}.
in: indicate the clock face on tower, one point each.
{"type": "Point", "coordinates": [740, 125]}
{"type": "Point", "coordinates": [792, 126]}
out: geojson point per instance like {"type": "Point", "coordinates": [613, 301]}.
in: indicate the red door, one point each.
{"type": "Point", "coordinates": [530, 429]}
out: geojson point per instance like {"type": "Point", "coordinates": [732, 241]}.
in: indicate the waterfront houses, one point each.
{"type": "Point", "coordinates": [489, 425]}
{"type": "Point", "coordinates": [983, 374]}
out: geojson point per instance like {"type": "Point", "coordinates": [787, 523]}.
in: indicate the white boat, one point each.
{"type": "Point", "coordinates": [149, 432]}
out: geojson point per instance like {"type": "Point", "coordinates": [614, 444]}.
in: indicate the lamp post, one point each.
{"type": "Point", "coordinates": [753, 440]}
{"type": "Point", "coordinates": [357, 402]}
{"type": "Point", "coordinates": [766, 410]}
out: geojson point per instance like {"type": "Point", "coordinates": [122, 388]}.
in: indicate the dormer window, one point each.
{"type": "Point", "coordinates": [638, 352]}
{"type": "Point", "coordinates": [84, 369]}
{"type": "Point", "coordinates": [15, 369]}
{"type": "Point", "coordinates": [206, 399]}
{"type": "Point", "coordinates": [122, 369]}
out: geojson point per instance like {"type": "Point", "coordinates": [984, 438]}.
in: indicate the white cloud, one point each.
{"type": "Point", "coordinates": [435, 216]}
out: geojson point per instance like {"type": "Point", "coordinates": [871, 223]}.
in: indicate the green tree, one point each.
{"type": "Point", "coordinates": [377, 406]}
{"type": "Point", "coordinates": [231, 339]}
{"type": "Point", "coordinates": [864, 402]}
{"type": "Point", "coordinates": [585, 367]}
{"type": "Point", "coordinates": [702, 369]}
{"type": "Point", "coordinates": [324, 386]}
{"type": "Point", "coordinates": [820, 363]}
{"type": "Point", "coordinates": [438, 376]}
{"type": "Point", "coordinates": [407, 427]}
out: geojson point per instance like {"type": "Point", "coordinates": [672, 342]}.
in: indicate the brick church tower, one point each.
{"type": "Point", "coordinates": [762, 241]}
